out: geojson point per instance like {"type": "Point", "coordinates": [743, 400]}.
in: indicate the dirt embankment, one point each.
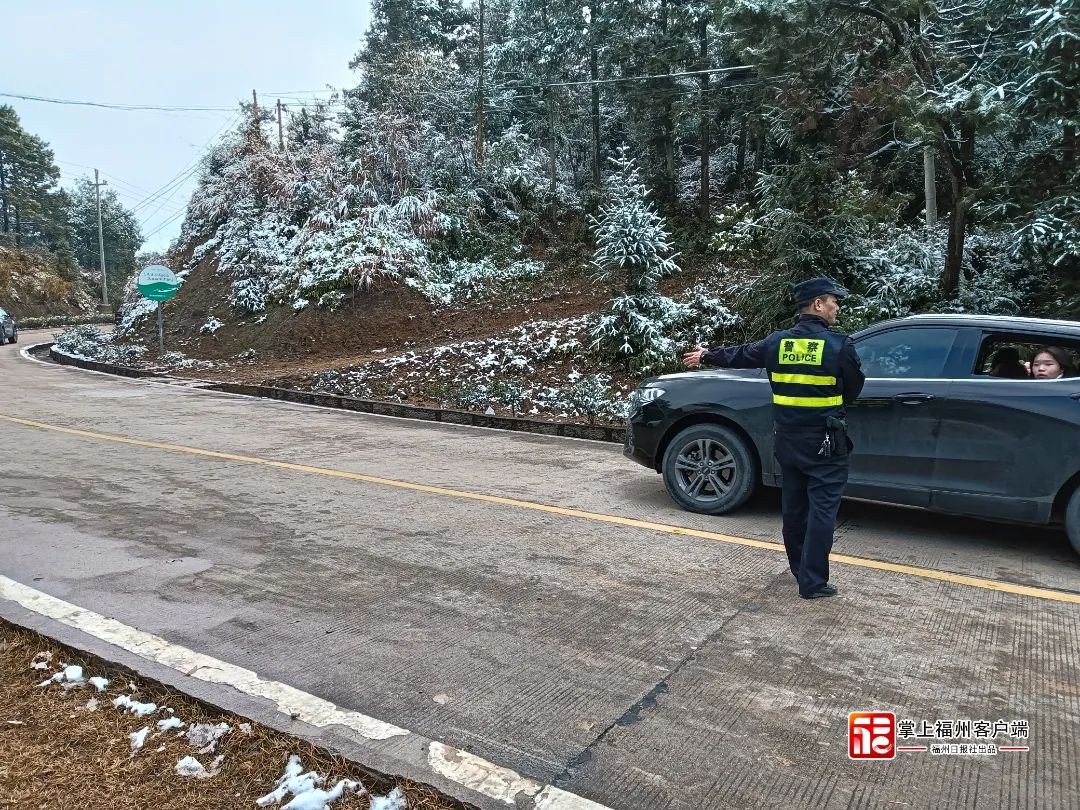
{"type": "Point", "coordinates": [35, 282]}
{"type": "Point", "coordinates": [386, 318]}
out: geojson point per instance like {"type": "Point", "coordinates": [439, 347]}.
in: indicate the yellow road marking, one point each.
{"type": "Point", "coordinates": [861, 562]}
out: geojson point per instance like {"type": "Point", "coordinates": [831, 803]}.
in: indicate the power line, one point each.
{"type": "Point", "coordinates": [167, 222]}
{"type": "Point", "coordinates": [127, 107]}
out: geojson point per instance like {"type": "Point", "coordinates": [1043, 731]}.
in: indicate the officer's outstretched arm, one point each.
{"type": "Point", "coordinates": [748, 355]}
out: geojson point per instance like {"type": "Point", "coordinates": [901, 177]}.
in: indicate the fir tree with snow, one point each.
{"type": "Point", "coordinates": [632, 249]}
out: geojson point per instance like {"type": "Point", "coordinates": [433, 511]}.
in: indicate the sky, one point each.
{"type": "Point", "coordinates": [193, 53]}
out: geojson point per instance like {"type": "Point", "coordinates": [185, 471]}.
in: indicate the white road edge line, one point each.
{"type": "Point", "coordinates": [459, 766]}
{"type": "Point", "coordinates": [269, 401]}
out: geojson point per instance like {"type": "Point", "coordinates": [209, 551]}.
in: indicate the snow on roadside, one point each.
{"type": "Point", "coordinates": [394, 800]}
{"type": "Point", "coordinates": [304, 786]}
{"type": "Point", "coordinates": [133, 706]}
{"type": "Point", "coordinates": [190, 767]}
{"type": "Point", "coordinates": [138, 738]}
{"type": "Point", "coordinates": [69, 677]}
{"type": "Point", "coordinates": [170, 723]}
{"type": "Point", "coordinates": [42, 660]}
{"type": "Point", "coordinates": [205, 736]}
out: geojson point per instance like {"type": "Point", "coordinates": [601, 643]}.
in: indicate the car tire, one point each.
{"type": "Point", "coordinates": [710, 469]}
{"type": "Point", "coordinates": [1072, 520]}
{"type": "Point", "coordinates": [15, 336]}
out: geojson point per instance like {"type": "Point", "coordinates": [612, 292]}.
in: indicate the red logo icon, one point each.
{"type": "Point", "coordinates": [872, 735]}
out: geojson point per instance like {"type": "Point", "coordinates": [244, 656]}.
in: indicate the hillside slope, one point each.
{"type": "Point", "coordinates": [33, 282]}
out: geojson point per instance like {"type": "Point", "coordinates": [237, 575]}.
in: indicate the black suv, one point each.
{"type": "Point", "coordinates": [933, 428]}
{"type": "Point", "coordinates": [9, 330]}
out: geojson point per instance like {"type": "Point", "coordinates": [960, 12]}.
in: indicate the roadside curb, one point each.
{"type": "Point", "coordinates": [94, 365]}
{"type": "Point", "coordinates": [571, 430]}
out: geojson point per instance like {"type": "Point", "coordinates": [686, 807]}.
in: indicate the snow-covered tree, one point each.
{"type": "Point", "coordinates": [633, 249]}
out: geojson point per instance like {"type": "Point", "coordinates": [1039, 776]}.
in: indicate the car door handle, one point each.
{"type": "Point", "coordinates": [913, 399]}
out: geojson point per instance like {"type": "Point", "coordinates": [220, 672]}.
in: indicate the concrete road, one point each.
{"type": "Point", "coordinates": [500, 593]}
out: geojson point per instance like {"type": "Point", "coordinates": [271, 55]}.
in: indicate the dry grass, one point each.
{"type": "Point", "coordinates": [55, 754]}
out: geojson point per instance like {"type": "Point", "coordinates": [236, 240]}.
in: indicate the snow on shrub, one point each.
{"type": "Point", "coordinates": [90, 343]}
{"type": "Point", "coordinates": [453, 281]}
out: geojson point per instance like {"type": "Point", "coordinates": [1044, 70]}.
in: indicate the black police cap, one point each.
{"type": "Point", "coordinates": [816, 287]}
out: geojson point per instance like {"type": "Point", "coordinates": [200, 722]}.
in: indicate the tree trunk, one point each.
{"type": "Point", "coordinates": [706, 135]}
{"type": "Point", "coordinates": [549, 95]}
{"type": "Point", "coordinates": [665, 131]}
{"type": "Point", "coordinates": [740, 153]}
{"type": "Point", "coordinates": [1068, 146]}
{"type": "Point", "coordinates": [18, 226]}
{"type": "Point", "coordinates": [954, 253]}
{"type": "Point", "coordinates": [961, 162]}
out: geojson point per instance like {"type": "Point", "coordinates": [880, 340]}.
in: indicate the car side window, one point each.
{"type": "Point", "coordinates": [913, 352]}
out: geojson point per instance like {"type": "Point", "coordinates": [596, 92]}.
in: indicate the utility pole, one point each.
{"type": "Point", "coordinates": [928, 157]}
{"type": "Point", "coordinates": [552, 146]}
{"type": "Point", "coordinates": [594, 74]}
{"type": "Point", "coordinates": [280, 135]}
{"type": "Point", "coordinates": [98, 183]}
{"type": "Point", "coordinates": [706, 135]}
{"type": "Point", "coordinates": [480, 93]}
{"type": "Point", "coordinates": [254, 100]}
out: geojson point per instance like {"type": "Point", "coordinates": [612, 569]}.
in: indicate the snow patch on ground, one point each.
{"type": "Point", "coordinates": [69, 677]}
{"type": "Point", "coordinates": [304, 786]}
{"type": "Point", "coordinates": [134, 707]}
{"type": "Point", "coordinates": [170, 723]}
{"type": "Point", "coordinates": [138, 738]}
{"type": "Point", "coordinates": [192, 768]}
{"type": "Point", "coordinates": [205, 736]}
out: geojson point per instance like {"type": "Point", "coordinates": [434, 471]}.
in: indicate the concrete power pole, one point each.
{"type": "Point", "coordinates": [98, 183]}
{"type": "Point", "coordinates": [928, 160]}
{"type": "Point", "coordinates": [280, 134]}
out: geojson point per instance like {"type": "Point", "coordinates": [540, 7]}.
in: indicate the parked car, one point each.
{"type": "Point", "coordinates": [932, 427]}
{"type": "Point", "coordinates": [9, 330]}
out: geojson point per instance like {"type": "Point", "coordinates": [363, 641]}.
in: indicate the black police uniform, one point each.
{"type": "Point", "coordinates": [814, 373]}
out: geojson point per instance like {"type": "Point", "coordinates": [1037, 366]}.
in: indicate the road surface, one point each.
{"type": "Point", "coordinates": [535, 602]}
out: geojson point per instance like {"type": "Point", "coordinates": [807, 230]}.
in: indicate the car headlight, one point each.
{"type": "Point", "coordinates": [642, 395]}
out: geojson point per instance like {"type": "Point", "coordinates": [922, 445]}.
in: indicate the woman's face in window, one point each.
{"type": "Point", "coordinates": [1045, 367]}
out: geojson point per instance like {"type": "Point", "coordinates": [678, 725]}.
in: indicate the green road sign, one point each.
{"type": "Point", "coordinates": [158, 283]}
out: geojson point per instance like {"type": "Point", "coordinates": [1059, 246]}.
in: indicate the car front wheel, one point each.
{"type": "Point", "coordinates": [1072, 520]}
{"type": "Point", "coordinates": [710, 469]}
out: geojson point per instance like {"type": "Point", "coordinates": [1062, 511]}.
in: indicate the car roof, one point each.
{"type": "Point", "coordinates": [1004, 322]}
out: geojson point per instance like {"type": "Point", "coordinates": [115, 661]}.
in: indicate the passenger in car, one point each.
{"type": "Point", "coordinates": [1052, 363]}
{"type": "Point", "coordinates": [1006, 363]}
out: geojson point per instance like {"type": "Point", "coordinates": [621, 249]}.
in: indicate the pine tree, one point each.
{"type": "Point", "coordinates": [632, 247]}
{"type": "Point", "coordinates": [120, 231]}
{"type": "Point", "coordinates": [31, 203]}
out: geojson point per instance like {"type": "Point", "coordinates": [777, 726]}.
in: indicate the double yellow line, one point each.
{"type": "Point", "coordinates": [861, 562]}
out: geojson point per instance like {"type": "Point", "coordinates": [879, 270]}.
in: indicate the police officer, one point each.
{"type": "Point", "coordinates": [814, 373]}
